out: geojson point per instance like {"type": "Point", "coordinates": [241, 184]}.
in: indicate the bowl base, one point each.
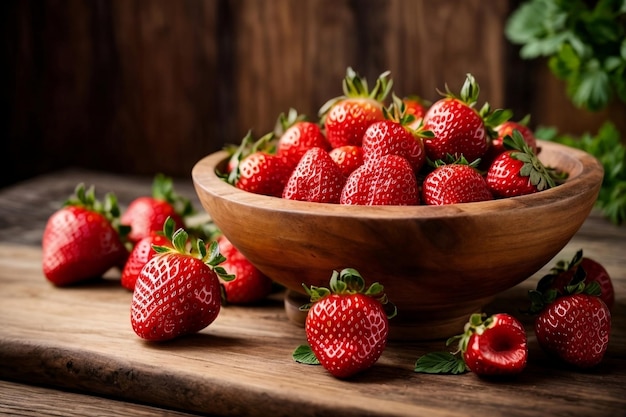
{"type": "Point", "coordinates": [433, 328]}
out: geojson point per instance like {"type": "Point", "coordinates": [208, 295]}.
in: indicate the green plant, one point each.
{"type": "Point", "coordinates": [585, 46]}
{"type": "Point", "coordinates": [607, 147]}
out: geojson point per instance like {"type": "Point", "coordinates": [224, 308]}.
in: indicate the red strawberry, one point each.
{"type": "Point", "coordinates": [459, 129]}
{"type": "Point", "coordinates": [257, 169]}
{"type": "Point", "coordinates": [316, 178]}
{"type": "Point", "coordinates": [83, 239]}
{"type": "Point", "coordinates": [389, 180]}
{"type": "Point", "coordinates": [454, 183]}
{"type": "Point", "coordinates": [506, 129]}
{"type": "Point", "coordinates": [579, 270]}
{"type": "Point", "coordinates": [345, 118]}
{"type": "Point", "coordinates": [518, 171]}
{"type": "Point", "coordinates": [147, 214]}
{"type": "Point", "coordinates": [346, 326]}
{"type": "Point", "coordinates": [142, 252]}
{"type": "Point", "coordinates": [575, 328]}
{"type": "Point", "coordinates": [392, 137]}
{"type": "Point", "coordinates": [495, 346]}
{"type": "Point", "coordinates": [348, 158]}
{"type": "Point", "coordinates": [296, 136]}
{"type": "Point", "coordinates": [178, 291]}
{"type": "Point", "coordinates": [250, 285]}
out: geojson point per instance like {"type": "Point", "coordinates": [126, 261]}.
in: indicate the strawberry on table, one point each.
{"type": "Point", "coordinates": [392, 136]}
{"type": "Point", "coordinates": [316, 178]}
{"type": "Point", "coordinates": [345, 118]}
{"type": "Point", "coordinates": [389, 180]}
{"type": "Point", "coordinates": [84, 239]}
{"type": "Point", "coordinates": [178, 291]}
{"type": "Point", "coordinates": [572, 273]}
{"type": "Point", "coordinates": [459, 129]}
{"type": "Point", "coordinates": [142, 252]}
{"type": "Point", "coordinates": [347, 326]}
{"type": "Point", "coordinates": [296, 135]}
{"type": "Point", "coordinates": [574, 327]}
{"type": "Point", "coordinates": [147, 214]}
{"type": "Point", "coordinates": [250, 284]}
{"type": "Point", "coordinates": [572, 321]}
{"type": "Point", "coordinates": [519, 171]}
{"type": "Point", "coordinates": [492, 346]}
{"type": "Point", "coordinates": [457, 182]}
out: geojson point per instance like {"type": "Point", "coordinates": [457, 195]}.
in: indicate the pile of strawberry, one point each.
{"type": "Point", "coordinates": [362, 152]}
{"type": "Point", "coordinates": [347, 326]}
{"type": "Point", "coordinates": [178, 281]}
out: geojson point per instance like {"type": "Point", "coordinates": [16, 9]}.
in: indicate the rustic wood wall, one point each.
{"type": "Point", "coordinates": [146, 86]}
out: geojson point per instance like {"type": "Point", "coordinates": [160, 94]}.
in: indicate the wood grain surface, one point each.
{"type": "Point", "coordinates": [80, 339]}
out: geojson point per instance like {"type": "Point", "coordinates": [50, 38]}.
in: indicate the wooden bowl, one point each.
{"type": "Point", "coordinates": [438, 264]}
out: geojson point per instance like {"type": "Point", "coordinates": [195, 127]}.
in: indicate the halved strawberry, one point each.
{"type": "Point", "coordinates": [345, 118]}
{"type": "Point", "coordinates": [492, 346]}
{"type": "Point", "coordinates": [84, 239]}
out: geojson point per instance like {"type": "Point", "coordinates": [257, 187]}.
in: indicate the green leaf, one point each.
{"type": "Point", "coordinates": [440, 363]}
{"type": "Point", "coordinates": [304, 354]}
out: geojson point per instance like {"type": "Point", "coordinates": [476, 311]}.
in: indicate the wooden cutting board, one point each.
{"type": "Point", "coordinates": [80, 338]}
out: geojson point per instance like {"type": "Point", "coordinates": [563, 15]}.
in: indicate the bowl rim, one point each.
{"type": "Point", "coordinates": [584, 177]}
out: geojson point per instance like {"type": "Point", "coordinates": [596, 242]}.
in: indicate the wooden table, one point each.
{"type": "Point", "coordinates": [72, 351]}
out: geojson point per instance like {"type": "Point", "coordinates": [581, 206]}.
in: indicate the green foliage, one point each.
{"type": "Point", "coordinates": [585, 46]}
{"type": "Point", "coordinates": [608, 148]}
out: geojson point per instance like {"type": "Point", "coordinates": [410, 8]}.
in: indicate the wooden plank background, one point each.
{"type": "Point", "coordinates": [140, 87]}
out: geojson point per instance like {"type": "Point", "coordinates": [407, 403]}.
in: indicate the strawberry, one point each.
{"type": "Point", "coordinates": [178, 291]}
{"type": "Point", "coordinates": [83, 239]}
{"type": "Point", "coordinates": [458, 182]}
{"type": "Point", "coordinates": [566, 276]}
{"type": "Point", "coordinates": [296, 135]}
{"type": "Point", "coordinates": [459, 129]}
{"type": "Point", "coordinates": [250, 285]}
{"type": "Point", "coordinates": [416, 107]}
{"type": "Point", "coordinates": [348, 158]}
{"type": "Point", "coordinates": [257, 169]}
{"type": "Point", "coordinates": [345, 118]}
{"type": "Point", "coordinates": [392, 137]}
{"type": "Point", "coordinates": [316, 178]}
{"type": "Point", "coordinates": [506, 129]}
{"type": "Point", "coordinates": [142, 252]}
{"type": "Point", "coordinates": [147, 214]}
{"type": "Point", "coordinates": [495, 346]}
{"type": "Point", "coordinates": [572, 323]}
{"type": "Point", "coordinates": [347, 326]}
{"type": "Point", "coordinates": [518, 171]}
{"type": "Point", "coordinates": [575, 328]}
{"type": "Point", "coordinates": [389, 180]}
